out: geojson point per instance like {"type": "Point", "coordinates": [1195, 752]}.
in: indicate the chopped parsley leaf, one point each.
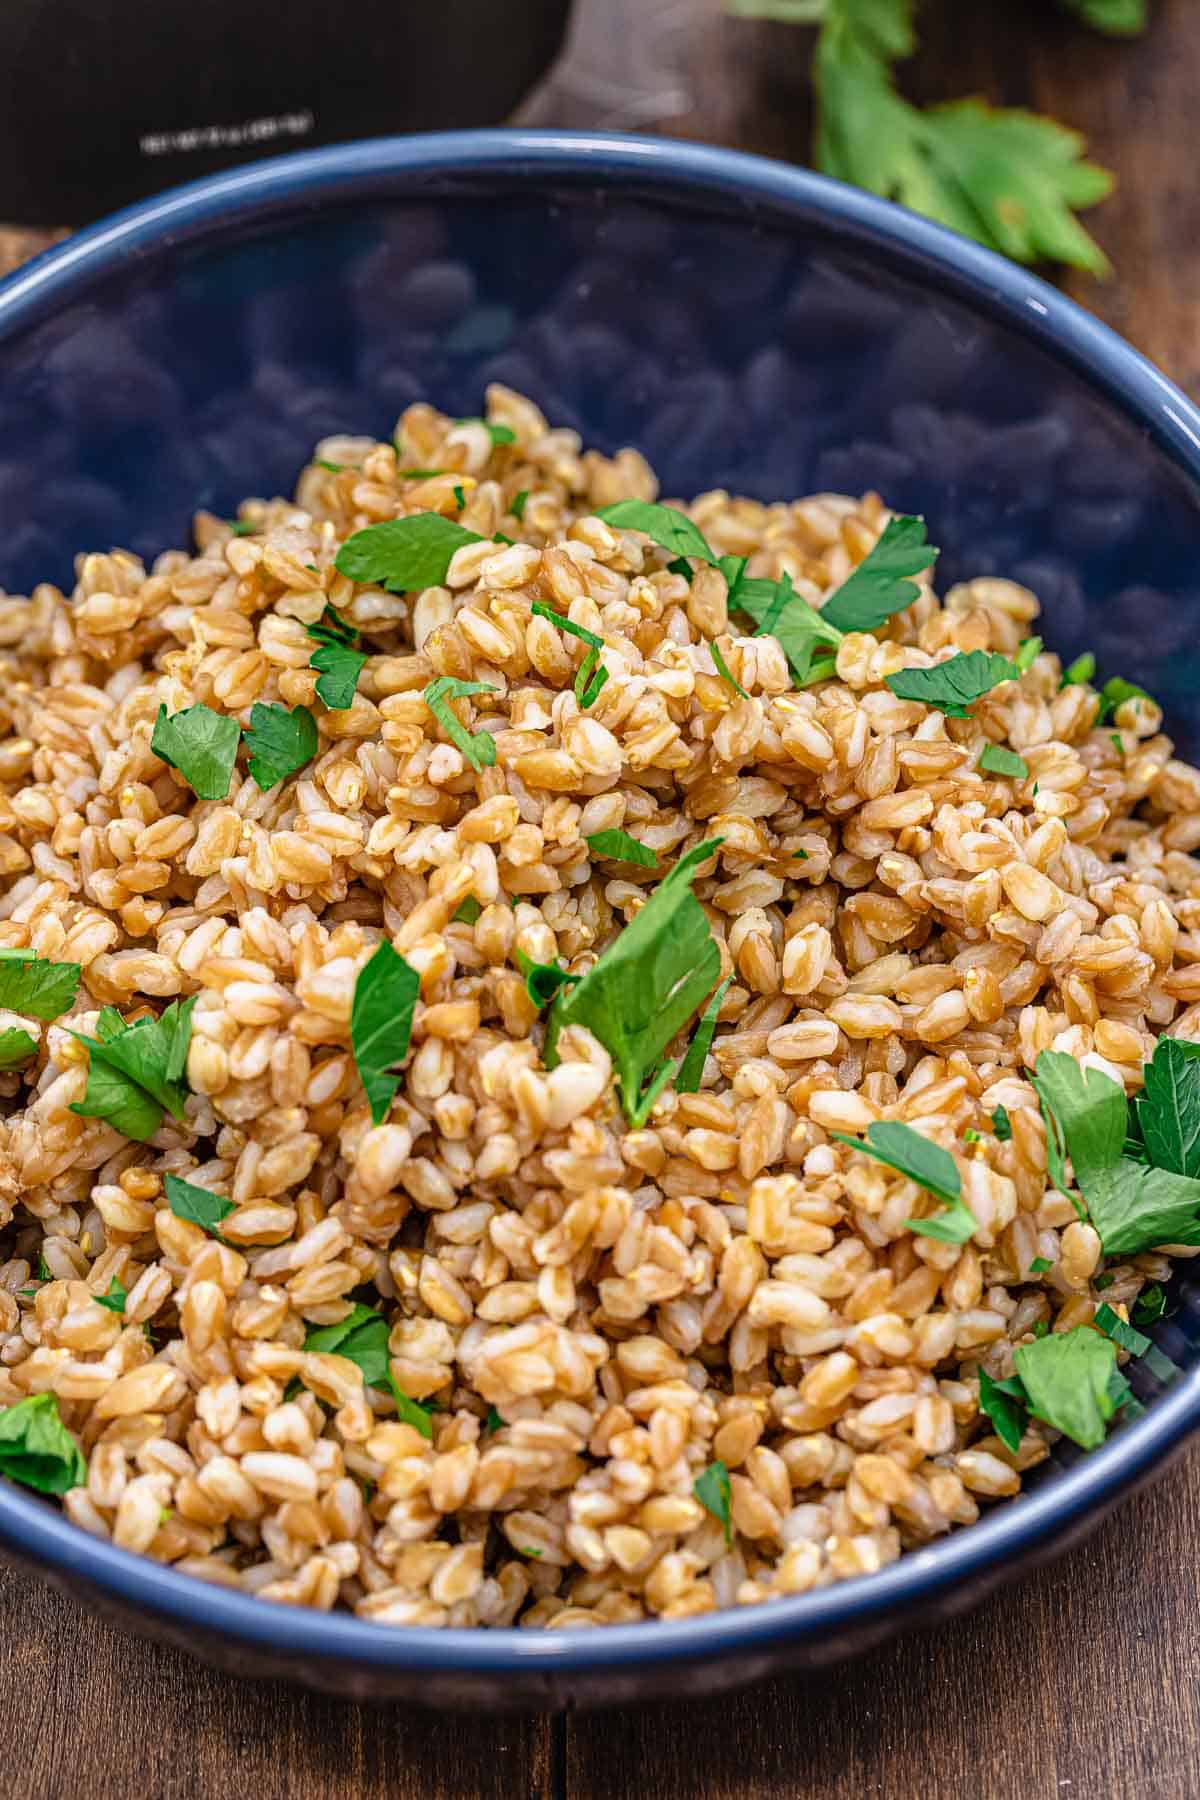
{"type": "Point", "coordinates": [241, 527]}
{"type": "Point", "coordinates": [1115, 693]}
{"type": "Point", "coordinates": [337, 659]}
{"type": "Point", "coordinates": [998, 760]}
{"type": "Point", "coordinates": [467, 911]}
{"type": "Point", "coordinates": [279, 742]}
{"type": "Point", "coordinates": [723, 670]}
{"type": "Point", "coordinates": [1028, 651]}
{"type": "Point", "coordinates": [1150, 1305]}
{"type": "Point", "coordinates": [41, 990]}
{"type": "Point", "coordinates": [691, 1070]}
{"type": "Point", "coordinates": [1002, 1125]}
{"type": "Point", "coordinates": [901, 1148]}
{"type": "Point", "coordinates": [136, 1071]}
{"type": "Point", "coordinates": [1168, 1112]}
{"type": "Point", "coordinates": [114, 1300]}
{"type": "Point", "coordinates": [878, 588]}
{"type": "Point", "coordinates": [666, 525]}
{"type": "Point", "coordinates": [404, 555]}
{"type": "Point", "coordinates": [951, 686]}
{"type": "Point", "coordinates": [16, 1047]}
{"type": "Point", "coordinates": [381, 1020]}
{"type": "Point", "coordinates": [645, 986]}
{"type": "Point", "coordinates": [1079, 672]}
{"type": "Point", "coordinates": [197, 1205]}
{"type": "Point", "coordinates": [618, 846]}
{"type": "Point", "coordinates": [478, 747]}
{"type": "Point", "coordinates": [36, 1448]}
{"type": "Point", "coordinates": [519, 503]}
{"type": "Point", "coordinates": [201, 744]}
{"type": "Point", "coordinates": [1040, 1265]}
{"type": "Point", "coordinates": [1004, 1404]}
{"type": "Point", "coordinates": [542, 980]}
{"type": "Point", "coordinates": [588, 680]}
{"type": "Point", "coordinates": [712, 1489]}
{"type": "Point", "coordinates": [1069, 1379]}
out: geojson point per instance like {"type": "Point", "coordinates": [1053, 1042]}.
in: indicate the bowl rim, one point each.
{"type": "Point", "coordinates": [990, 284]}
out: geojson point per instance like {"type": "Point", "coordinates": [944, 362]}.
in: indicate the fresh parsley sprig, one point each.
{"type": "Point", "coordinates": [1008, 178]}
{"type": "Point", "coordinates": [646, 986]}
{"type": "Point", "coordinates": [997, 759]}
{"type": "Point", "coordinates": [691, 1070]}
{"type": "Point", "coordinates": [543, 980]}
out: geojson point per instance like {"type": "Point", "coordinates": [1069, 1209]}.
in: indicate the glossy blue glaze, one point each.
{"type": "Point", "coordinates": [746, 325]}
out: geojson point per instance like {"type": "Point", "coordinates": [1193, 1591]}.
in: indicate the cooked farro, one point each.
{"type": "Point", "coordinates": [593, 1315]}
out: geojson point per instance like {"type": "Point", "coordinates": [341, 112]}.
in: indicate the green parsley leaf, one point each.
{"type": "Point", "coordinates": [951, 686]}
{"type": "Point", "coordinates": [1117, 742]}
{"type": "Point", "coordinates": [1100, 1282]}
{"type": "Point", "coordinates": [135, 1071]}
{"type": "Point", "coordinates": [1133, 1207]}
{"type": "Point", "coordinates": [40, 990]}
{"type": "Point", "coordinates": [1113, 1326]}
{"type": "Point", "coordinates": [197, 1204]}
{"type": "Point", "coordinates": [333, 468]}
{"type": "Point", "coordinates": [36, 1448]}
{"type": "Point", "coordinates": [1041, 1265]}
{"type": "Point", "coordinates": [901, 1148]}
{"type": "Point", "coordinates": [646, 985]}
{"type": "Point", "coordinates": [691, 1070]}
{"type": "Point", "coordinates": [797, 627]}
{"type": "Point", "coordinates": [666, 525]}
{"type": "Point", "coordinates": [493, 1422]}
{"type": "Point", "coordinates": [802, 854]}
{"type": "Point", "coordinates": [478, 747]}
{"type": "Point", "coordinates": [499, 434]}
{"type": "Point", "coordinates": [1084, 1113]}
{"type": "Point", "coordinates": [241, 527]}
{"type": "Point", "coordinates": [1079, 672]}
{"type": "Point", "coordinates": [381, 1019]}
{"type": "Point", "coordinates": [588, 680]}
{"type": "Point", "coordinates": [1004, 1404]}
{"type": "Point", "coordinates": [201, 744]}
{"type": "Point", "coordinates": [16, 1047]}
{"type": "Point", "coordinates": [114, 1300]}
{"type": "Point", "coordinates": [1028, 651]}
{"type": "Point", "coordinates": [404, 555]}
{"type": "Point", "coordinates": [468, 911]}
{"type": "Point", "coordinates": [419, 474]}
{"type": "Point", "coordinates": [1169, 1110]}
{"type": "Point", "coordinates": [1115, 693]}
{"type": "Point", "coordinates": [43, 1267]}
{"type": "Point", "coordinates": [723, 670]}
{"type": "Point", "coordinates": [280, 742]}
{"type": "Point", "coordinates": [712, 1489]}
{"type": "Point", "coordinates": [542, 980]}
{"type": "Point", "coordinates": [460, 497]}
{"type": "Point", "coordinates": [879, 587]}
{"type": "Point", "coordinates": [337, 659]}
{"type": "Point", "coordinates": [1040, 1328]}
{"type": "Point", "coordinates": [519, 503]}
{"type": "Point", "coordinates": [999, 761]}
{"type": "Point", "coordinates": [1118, 18]}
{"type": "Point", "coordinates": [1150, 1305]}
{"type": "Point", "coordinates": [362, 1336]}
{"type": "Point", "coordinates": [618, 846]}
{"type": "Point", "coordinates": [1002, 1124]}
{"type": "Point", "coordinates": [1005, 177]}
{"type": "Point", "coordinates": [1068, 1377]}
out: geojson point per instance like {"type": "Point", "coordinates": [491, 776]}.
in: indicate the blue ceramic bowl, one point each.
{"type": "Point", "coordinates": [745, 324]}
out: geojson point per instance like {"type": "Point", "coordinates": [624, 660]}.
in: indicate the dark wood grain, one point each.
{"type": "Point", "coordinates": [1082, 1684]}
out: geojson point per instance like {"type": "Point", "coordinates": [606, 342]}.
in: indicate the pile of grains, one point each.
{"type": "Point", "coordinates": [700, 1361]}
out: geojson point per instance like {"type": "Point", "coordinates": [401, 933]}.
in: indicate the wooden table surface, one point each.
{"type": "Point", "coordinates": [1084, 1681]}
